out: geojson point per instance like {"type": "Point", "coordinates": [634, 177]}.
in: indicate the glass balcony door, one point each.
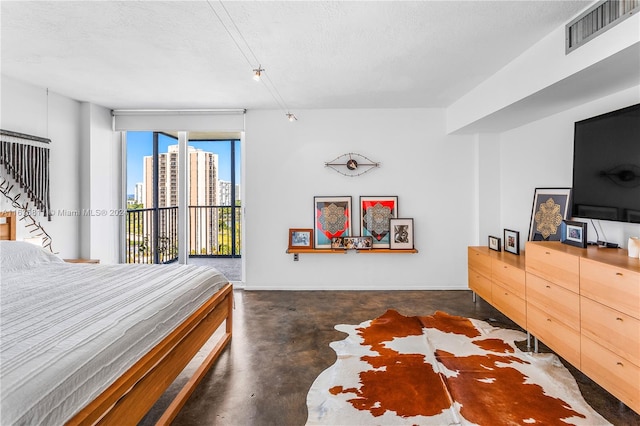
{"type": "Point", "coordinates": [151, 225]}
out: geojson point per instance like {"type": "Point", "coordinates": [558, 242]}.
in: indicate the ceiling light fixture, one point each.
{"type": "Point", "coordinates": [257, 72]}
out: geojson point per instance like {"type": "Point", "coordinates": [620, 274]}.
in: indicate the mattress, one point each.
{"type": "Point", "coordinates": [69, 330]}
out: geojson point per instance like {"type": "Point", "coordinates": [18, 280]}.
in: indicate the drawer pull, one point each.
{"type": "Point", "coordinates": [547, 286]}
{"type": "Point", "coordinates": [549, 319]}
{"type": "Point", "coordinates": [506, 294]}
{"type": "Point", "coordinates": [619, 273]}
{"type": "Point", "coordinates": [618, 319]}
{"type": "Point", "coordinates": [546, 252]}
{"type": "Point", "coordinates": [620, 364]}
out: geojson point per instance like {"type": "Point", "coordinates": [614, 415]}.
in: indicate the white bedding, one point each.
{"type": "Point", "coordinates": [69, 330]}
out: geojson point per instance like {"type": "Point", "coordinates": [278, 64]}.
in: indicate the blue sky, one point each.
{"type": "Point", "coordinates": [140, 144]}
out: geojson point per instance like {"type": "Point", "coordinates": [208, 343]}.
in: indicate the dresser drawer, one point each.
{"type": "Point", "coordinates": [480, 284]}
{"type": "Point", "coordinates": [509, 277]}
{"type": "Point", "coordinates": [479, 261]}
{"type": "Point", "coordinates": [564, 340]}
{"type": "Point", "coordinates": [553, 265]}
{"type": "Point", "coordinates": [509, 304]}
{"type": "Point", "coordinates": [615, 287]}
{"type": "Point", "coordinates": [619, 332]}
{"type": "Point", "coordinates": [615, 374]}
{"type": "Point", "coordinates": [555, 300]}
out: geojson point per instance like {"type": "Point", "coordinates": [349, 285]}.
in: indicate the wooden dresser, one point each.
{"type": "Point", "coordinates": [582, 303]}
{"type": "Point", "coordinates": [499, 278]}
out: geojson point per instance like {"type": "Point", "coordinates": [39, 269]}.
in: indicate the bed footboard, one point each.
{"type": "Point", "coordinates": [130, 397]}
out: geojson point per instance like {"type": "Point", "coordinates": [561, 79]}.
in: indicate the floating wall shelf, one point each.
{"type": "Point", "coordinates": [295, 252]}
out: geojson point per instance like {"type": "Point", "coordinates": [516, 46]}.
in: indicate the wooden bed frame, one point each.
{"type": "Point", "coordinates": [131, 396]}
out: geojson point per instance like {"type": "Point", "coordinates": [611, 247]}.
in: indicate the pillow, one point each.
{"type": "Point", "coordinates": [17, 255]}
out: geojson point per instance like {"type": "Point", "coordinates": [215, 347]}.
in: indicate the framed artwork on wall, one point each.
{"type": "Point", "coordinates": [401, 234]}
{"type": "Point", "coordinates": [332, 218]}
{"type": "Point", "coordinates": [300, 238]}
{"type": "Point", "coordinates": [494, 243]}
{"type": "Point", "coordinates": [550, 207]}
{"type": "Point", "coordinates": [574, 233]}
{"type": "Point", "coordinates": [375, 214]}
{"type": "Point", "coordinates": [512, 241]}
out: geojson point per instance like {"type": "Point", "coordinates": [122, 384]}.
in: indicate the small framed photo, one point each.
{"type": "Point", "coordinates": [401, 234]}
{"type": "Point", "coordinates": [574, 233]}
{"type": "Point", "coordinates": [300, 238]}
{"type": "Point", "coordinates": [494, 243]}
{"type": "Point", "coordinates": [351, 243]}
{"type": "Point", "coordinates": [512, 241]}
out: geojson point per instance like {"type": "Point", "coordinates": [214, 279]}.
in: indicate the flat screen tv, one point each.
{"type": "Point", "coordinates": [606, 166]}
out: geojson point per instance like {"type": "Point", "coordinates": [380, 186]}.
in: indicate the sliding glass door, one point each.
{"type": "Point", "coordinates": [151, 226]}
{"type": "Point", "coordinates": [212, 184]}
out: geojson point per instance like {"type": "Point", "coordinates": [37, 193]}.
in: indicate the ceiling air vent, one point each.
{"type": "Point", "coordinates": [598, 19]}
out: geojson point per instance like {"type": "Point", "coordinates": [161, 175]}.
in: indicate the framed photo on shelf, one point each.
{"type": "Point", "coordinates": [512, 241]}
{"type": "Point", "coordinates": [351, 243]}
{"type": "Point", "coordinates": [375, 214]}
{"type": "Point", "coordinates": [300, 238]}
{"type": "Point", "coordinates": [550, 207]}
{"type": "Point", "coordinates": [574, 233]}
{"type": "Point", "coordinates": [332, 218]}
{"type": "Point", "coordinates": [401, 236]}
{"type": "Point", "coordinates": [494, 243]}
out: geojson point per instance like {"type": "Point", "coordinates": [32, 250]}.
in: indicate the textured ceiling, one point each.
{"type": "Point", "coordinates": [317, 54]}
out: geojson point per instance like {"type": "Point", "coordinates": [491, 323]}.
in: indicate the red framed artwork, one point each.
{"type": "Point", "coordinates": [375, 216]}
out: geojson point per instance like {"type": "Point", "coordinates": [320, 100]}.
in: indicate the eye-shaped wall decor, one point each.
{"type": "Point", "coordinates": [352, 164]}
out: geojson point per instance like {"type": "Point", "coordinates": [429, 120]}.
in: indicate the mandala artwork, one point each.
{"type": "Point", "coordinates": [376, 213]}
{"type": "Point", "coordinates": [332, 219]}
{"type": "Point", "coordinates": [376, 220]}
{"type": "Point", "coordinates": [548, 218]}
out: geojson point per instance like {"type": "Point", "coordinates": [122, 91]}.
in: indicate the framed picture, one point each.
{"type": "Point", "coordinates": [332, 218]}
{"type": "Point", "coordinates": [494, 243]}
{"type": "Point", "coordinates": [512, 241]}
{"type": "Point", "coordinates": [300, 238]}
{"type": "Point", "coordinates": [550, 207]}
{"type": "Point", "coordinates": [375, 213]}
{"type": "Point", "coordinates": [351, 243]}
{"type": "Point", "coordinates": [574, 233]}
{"type": "Point", "coordinates": [401, 236]}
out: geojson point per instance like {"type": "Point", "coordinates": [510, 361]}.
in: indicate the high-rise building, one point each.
{"type": "Point", "coordinates": [203, 192]}
{"type": "Point", "coordinates": [225, 192]}
{"type": "Point", "coordinates": [137, 195]}
{"type": "Point", "coordinates": [203, 178]}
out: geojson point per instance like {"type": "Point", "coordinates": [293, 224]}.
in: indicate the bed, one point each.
{"type": "Point", "coordinates": [99, 344]}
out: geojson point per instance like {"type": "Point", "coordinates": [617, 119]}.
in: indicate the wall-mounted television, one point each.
{"type": "Point", "coordinates": [606, 166]}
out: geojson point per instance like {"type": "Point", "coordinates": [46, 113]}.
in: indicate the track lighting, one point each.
{"type": "Point", "coordinates": [257, 72]}
{"type": "Point", "coordinates": [291, 117]}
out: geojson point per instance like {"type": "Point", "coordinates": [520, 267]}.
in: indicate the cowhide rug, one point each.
{"type": "Point", "coordinates": [442, 370]}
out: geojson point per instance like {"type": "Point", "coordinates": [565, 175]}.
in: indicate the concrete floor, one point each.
{"type": "Point", "coordinates": [281, 344]}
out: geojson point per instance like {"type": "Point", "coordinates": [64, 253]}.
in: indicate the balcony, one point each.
{"type": "Point", "coordinates": [214, 237]}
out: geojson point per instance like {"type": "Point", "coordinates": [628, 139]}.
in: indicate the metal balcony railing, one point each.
{"type": "Point", "coordinates": [152, 234]}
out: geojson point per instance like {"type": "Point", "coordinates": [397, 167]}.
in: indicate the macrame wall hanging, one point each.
{"type": "Point", "coordinates": [25, 159]}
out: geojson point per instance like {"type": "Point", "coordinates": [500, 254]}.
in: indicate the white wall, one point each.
{"type": "Point", "coordinates": [432, 174]}
{"type": "Point", "coordinates": [540, 154]}
{"type": "Point", "coordinates": [101, 186]}
{"type": "Point", "coordinates": [29, 109]}
{"type": "Point", "coordinates": [84, 168]}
